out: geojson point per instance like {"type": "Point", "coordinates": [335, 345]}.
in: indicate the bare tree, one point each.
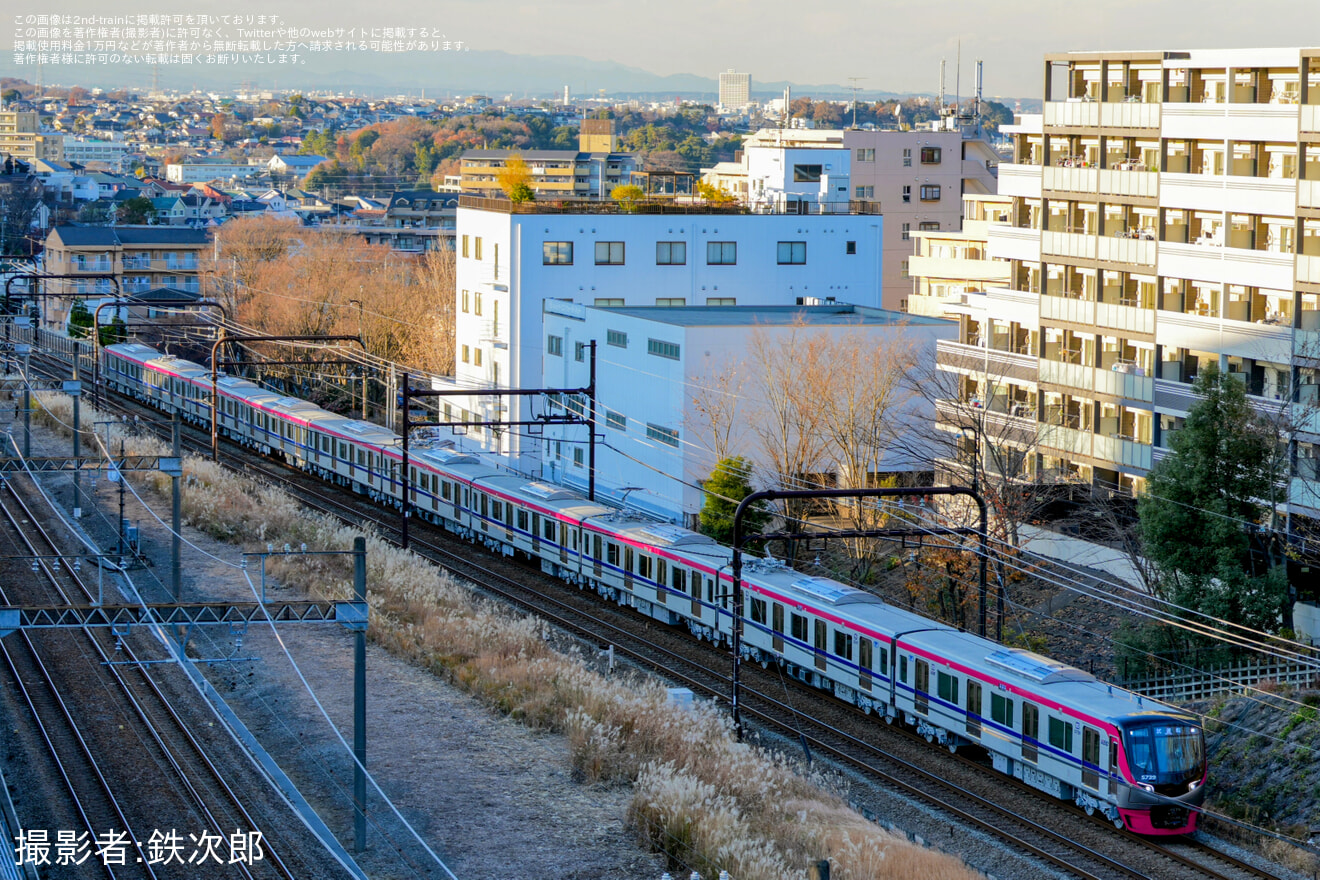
{"type": "Point", "coordinates": [716, 402]}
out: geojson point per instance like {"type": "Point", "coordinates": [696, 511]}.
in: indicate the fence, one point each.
{"type": "Point", "coordinates": [1198, 684]}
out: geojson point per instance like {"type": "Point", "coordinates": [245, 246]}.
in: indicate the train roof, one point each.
{"type": "Point", "coordinates": [359, 431]}
{"type": "Point", "coordinates": [561, 500]}
{"type": "Point", "coordinates": [168, 363]}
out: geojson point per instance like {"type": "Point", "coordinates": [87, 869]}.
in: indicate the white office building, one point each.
{"type": "Point", "coordinates": [512, 259]}
{"type": "Point", "coordinates": [735, 90]}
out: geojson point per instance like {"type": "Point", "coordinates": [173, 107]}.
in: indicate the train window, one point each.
{"type": "Point", "coordinates": [612, 554]}
{"type": "Point", "coordinates": [1030, 731]}
{"type": "Point", "coordinates": [467, 497]}
{"type": "Point", "coordinates": [864, 646]}
{"type": "Point", "coordinates": [758, 611]}
{"type": "Point", "coordinates": [643, 565]}
{"type": "Point", "coordinates": [549, 529]}
{"type": "Point", "coordinates": [1001, 710]}
{"type": "Point", "coordinates": [948, 687]}
{"type": "Point", "coordinates": [444, 491]}
{"type": "Point", "coordinates": [660, 572]}
{"type": "Point", "coordinates": [799, 627]}
{"type": "Point", "coordinates": [343, 452]}
{"type": "Point", "coordinates": [694, 581]}
{"type": "Point", "coordinates": [902, 669]}
{"type": "Point", "coordinates": [1061, 734]}
{"type": "Point", "coordinates": [627, 559]}
{"type": "Point", "coordinates": [974, 708]}
{"type": "Point", "coordinates": [678, 579]}
{"type": "Point", "coordinates": [497, 511]}
{"type": "Point", "coordinates": [361, 458]}
{"type": "Point", "coordinates": [595, 547]}
{"type": "Point", "coordinates": [1090, 757]}
{"type": "Point", "coordinates": [819, 641]}
{"type": "Point", "coordinates": [884, 659]}
{"type": "Point", "coordinates": [777, 618]}
{"type": "Point", "coordinates": [710, 589]}
{"type": "Point", "coordinates": [843, 645]}
{"type": "Point", "coordinates": [522, 514]}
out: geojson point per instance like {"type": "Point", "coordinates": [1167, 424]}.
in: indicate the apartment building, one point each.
{"type": "Point", "coordinates": [22, 138]}
{"type": "Point", "coordinates": [589, 172]}
{"type": "Point", "coordinates": [946, 265]}
{"type": "Point", "coordinates": [142, 258]}
{"type": "Point", "coordinates": [735, 89]}
{"type": "Point", "coordinates": [1165, 216]}
{"type": "Point", "coordinates": [512, 257]}
{"type": "Point", "coordinates": [655, 449]}
{"type": "Point", "coordinates": [916, 178]}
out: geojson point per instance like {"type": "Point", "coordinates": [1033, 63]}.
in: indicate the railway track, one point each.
{"type": "Point", "coordinates": [1099, 854]}
{"type": "Point", "coordinates": [167, 783]}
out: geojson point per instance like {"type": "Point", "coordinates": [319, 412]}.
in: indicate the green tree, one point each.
{"type": "Point", "coordinates": [1200, 519]}
{"type": "Point", "coordinates": [80, 320]}
{"type": "Point", "coordinates": [726, 486]}
{"type": "Point", "coordinates": [136, 211]}
{"type": "Point", "coordinates": [113, 333]}
{"type": "Point", "coordinates": [520, 193]}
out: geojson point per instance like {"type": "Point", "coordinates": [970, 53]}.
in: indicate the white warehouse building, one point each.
{"type": "Point", "coordinates": [513, 258]}
{"type": "Point", "coordinates": [651, 362]}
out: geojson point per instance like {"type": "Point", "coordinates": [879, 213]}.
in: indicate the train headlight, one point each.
{"type": "Point", "coordinates": [1194, 785]}
{"type": "Point", "coordinates": [1147, 787]}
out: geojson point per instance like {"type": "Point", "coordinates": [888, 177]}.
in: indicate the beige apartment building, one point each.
{"type": "Point", "coordinates": [1165, 216]}
{"type": "Point", "coordinates": [22, 138]}
{"type": "Point", "coordinates": [589, 172]}
{"type": "Point", "coordinates": [141, 258]}
{"type": "Point", "coordinates": [947, 265]}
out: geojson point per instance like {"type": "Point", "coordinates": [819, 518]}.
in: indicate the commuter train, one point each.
{"type": "Point", "coordinates": [1140, 763]}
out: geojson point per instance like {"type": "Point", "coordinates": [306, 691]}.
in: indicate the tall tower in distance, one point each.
{"type": "Point", "coordinates": [735, 89]}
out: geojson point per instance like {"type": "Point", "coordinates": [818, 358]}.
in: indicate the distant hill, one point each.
{"type": "Point", "coordinates": [489, 72]}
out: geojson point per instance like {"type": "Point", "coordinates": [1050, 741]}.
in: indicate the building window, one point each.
{"type": "Point", "coordinates": [671, 253]}
{"type": "Point", "coordinates": [667, 436]}
{"type": "Point", "coordinates": [807, 173]}
{"type": "Point", "coordinates": [866, 154]}
{"type": "Point", "coordinates": [607, 302]}
{"type": "Point", "coordinates": [850, 248]}
{"type": "Point", "coordinates": [465, 245]}
{"type": "Point", "coordinates": [792, 253]}
{"type": "Point", "coordinates": [617, 421]}
{"type": "Point", "coordinates": [467, 355]}
{"type": "Point", "coordinates": [553, 253]}
{"type": "Point", "coordinates": [930, 192]}
{"type": "Point", "coordinates": [721, 253]}
{"type": "Point", "coordinates": [907, 193]}
{"type": "Point", "coordinates": [579, 351]}
{"type": "Point", "coordinates": [476, 248]}
{"type": "Point", "coordinates": [904, 269]}
{"type": "Point", "coordinates": [617, 338]}
{"type": "Point", "coordinates": [476, 303]}
{"type": "Point", "coordinates": [907, 231]}
{"type": "Point", "coordinates": [907, 158]}
{"type": "Point", "coordinates": [930, 155]}
{"type": "Point", "coordinates": [670, 301]}
{"type": "Point", "coordinates": [554, 345]}
{"type": "Point", "coordinates": [662, 349]}
{"type": "Point", "coordinates": [929, 225]}
{"type": "Point", "coordinates": [476, 355]}
{"type": "Point", "coordinates": [497, 261]}
{"type": "Point", "coordinates": [864, 192]}
{"type": "Point", "coordinates": [609, 253]}
{"type": "Point", "coordinates": [466, 302]}
{"type": "Point", "coordinates": [721, 300]}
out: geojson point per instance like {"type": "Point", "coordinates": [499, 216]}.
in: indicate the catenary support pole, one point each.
{"type": "Point", "coordinates": [591, 428]}
{"type": "Point", "coordinates": [74, 390]}
{"type": "Point", "coordinates": [176, 541]}
{"type": "Point", "coordinates": [404, 483]}
{"type": "Point", "coordinates": [360, 701]}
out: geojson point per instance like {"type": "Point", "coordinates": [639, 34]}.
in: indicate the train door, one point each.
{"type": "Point", "coordinates": [777, 628]}
{"type": "Point", "coordinates": [865, 649]}
{"type": "Point", "coordinates": [536, 533]}
{"type": "Point", "coordinates": [1030, 731]}
{"type": "Point", "coordinates": [596, 554]}
{"type": "Point", "coordinates": [973, 708]}
{"type": "Point", "coordinates": [457, 506]}
{"type": "Point", "coordinates": [661, 587]}
{"type": "Point", "coordinates": [694, 585]}
{"type": "Point", "coordinates": [1113, 768]}
{"type": "Point", "coordinates": [819, 643]}
{"type": "Point", "coordinates": [627, 568]}
{"type": "Point", "coordinates": [508, 521]}
{"type": "Point", "coordinates": [1090, 758]}
{"type": "Point", "coordinates": [563, 543]}
{"type": "Point", "coordinates": [485, 511]}
{"type": "Point", "coordinates": [921, 688]}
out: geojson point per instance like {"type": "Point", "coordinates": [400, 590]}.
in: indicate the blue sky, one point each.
{"type": "Point", "coordinates": [895, 46]}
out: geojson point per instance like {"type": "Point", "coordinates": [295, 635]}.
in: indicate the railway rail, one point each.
{"type": "Point", "coordinates": [581, 616]}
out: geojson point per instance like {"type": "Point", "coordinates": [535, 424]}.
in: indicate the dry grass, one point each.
{"type": "Point", "coordinates": [707, 801]}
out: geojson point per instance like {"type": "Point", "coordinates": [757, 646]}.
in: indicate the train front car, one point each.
{"type": "Point", "coordinates": [1166, 765]}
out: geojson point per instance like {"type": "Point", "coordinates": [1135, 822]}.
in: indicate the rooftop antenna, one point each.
{"type": "Point", "coordinates": [855, 80]}
{"type": "Point", "coordinates": [943, 65]}
{"type": "Point", "coordinates": [957, 85]}
{"type": "Point", "coordinates": [977, 111]}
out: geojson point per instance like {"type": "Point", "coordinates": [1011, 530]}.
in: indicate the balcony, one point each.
{"type": "Point", "coordinates": [1076, 376]}
{"type": "Point", "coordinates": [1122, 451]}
{"type": "Point", "coordinates": [1229, 192]}
{"type": "Point", "coordinates": [1310, 120]}
{"type": "Point", "coordinates": [1308, 269]}
{"type": "Point", "coordinates": [1127, 249]}
{"type": "Point", "coordinates": [1007, 242]}
{"type": "Point", "coordinates": [101, 266]}
{"type": "Point", "coordinates": [1104, 181]}
{"type": "Point", "coordinates": [1091, 114]}
{"type": "Point", "coordinates": [1073, 311]}
{"type": "Point", "coordinates": [1208, 262]}
{"type": "Point", "coordinates": [1076, 245]}
{"type": "Point", "coordinates": [1127, 318]}
{"type": "Point", "coordinates": [1019, 180]}
{"type": "Point", "coordinates": [1219, 122]}
{"type": "Point", "coordinates": [979, 360]}
{"type": "Point", "coordinates": [1072, 114]}
{"type": "Point", "coordinates": [1068, 440]}
{"type": "Point", "coordinates": [959, 268]}
{"type": "Point", "coordinates": [1125, 385]}
{"type": "Point", "coordinates": [1308, 194]}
